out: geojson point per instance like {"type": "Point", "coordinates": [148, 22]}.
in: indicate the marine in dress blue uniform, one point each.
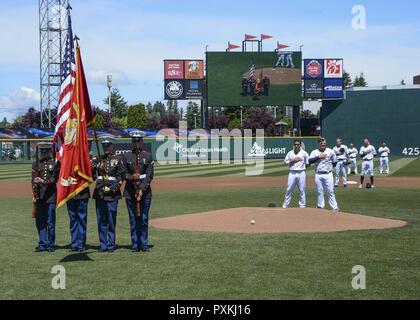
{"type": "Point", "coordinates": [44, 181]}
{"type": "Point", "coordinates": [139, 170]}
{"type": "Point", "coordinates": [78, 212]}
{"type": "Point", "coordinates": [108, 173]}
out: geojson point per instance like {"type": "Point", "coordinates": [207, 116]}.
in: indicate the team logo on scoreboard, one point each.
{"type": "Point", "coordinates": [314, 69]}
{"type": "Point", "coordinates": [334, 68]}
{"type": "Point", "coordinates": [174, 89]}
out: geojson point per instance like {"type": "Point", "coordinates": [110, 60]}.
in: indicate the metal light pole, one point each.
{"type": "Point", "coordinates": [195, 121]}
{"type": "Point", "coordinates": [275, 112]}
{"type": "Point", "coordinates": [109, 84]}
{"type": "Point", "coordinates": [242, 111]}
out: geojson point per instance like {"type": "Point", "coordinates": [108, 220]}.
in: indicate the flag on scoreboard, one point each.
{"type": "Point", "coordinates": [249, 37]}
{"type": "Point", "coordinates": [232, 46]}
{"type": "Point", "coordinates": [76, 172]}
{"type": "Point", "coordinates": [281, 46]}
{"type": "Point", "coordinates": [265, 37]}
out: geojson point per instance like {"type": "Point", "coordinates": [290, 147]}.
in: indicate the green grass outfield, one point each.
{"type": "Point", "coordinates": [195, 265]}
{"type": "Point", "coordinates": [399, 167]}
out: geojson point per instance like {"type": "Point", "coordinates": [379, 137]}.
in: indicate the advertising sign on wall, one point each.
{"type": "Point", "coordinates": [174, 69]}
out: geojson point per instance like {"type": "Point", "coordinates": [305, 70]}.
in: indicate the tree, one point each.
{"type": "Point", "coordinates": [173, 107]}
{"type": "Point", "coordinates": [307, 114]}
{"type": "Point", "coordinates": [218, 122]}
{"type": "Point", "coordinates": [31, 119]}
{"type": "Point", "coordinates": [5, 123]}
{"type": "Point", "coordinates": [193, 114]}
{"type": "Point", "coordinates": [258, 118]}
{"type": "Point", "coordinates": [360, 81]}
{"type": "Point", "coordinates": [169, 121]}
{"type": "Point", "coordinates": [121, 122]}
{"type": "Point", "coordinates": [154, 123]}
{"type": "Point", "coordinates": [149, 108]}
{"type": "Point", "coordinates": [137, 116]}
{"type": "Point", "coordinates": [348, 83]}
{"type": "Point", "coordinates": [159, 109]}
{"type": "Point", "coordinates": [99, 121]}
{"type": "Point", "coordinates": [119, 106]}
{"type": "Point", "coordinates": [234, 124]}
{"type": "Point", "coordinates": [107, 120]}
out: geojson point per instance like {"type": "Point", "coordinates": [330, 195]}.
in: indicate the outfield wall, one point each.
{"type": "Point", "coordinates": [172, 149]}
{"type": "Point", "coordinates": [384, 114]}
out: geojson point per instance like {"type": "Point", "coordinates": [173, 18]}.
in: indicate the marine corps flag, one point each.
{"type": "Point", "coordinates": [76, 172]}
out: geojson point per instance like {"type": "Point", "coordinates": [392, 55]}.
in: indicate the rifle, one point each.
{"type": "Point", "coordinates": [137, 187]}
{"type": "Point", "coordinates": [35, 187]}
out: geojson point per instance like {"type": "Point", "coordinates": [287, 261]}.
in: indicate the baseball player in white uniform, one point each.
{"type": "Point", "coordinates": [368, 153]}
{"type": "Point", "coordinates": [353, 152]}
{"type": "Point", "coordinates": [324, 160]}
{"type": "Point", "coordinates": [384, 158]}
{"type": "Point", "coordinates": [341, 152]}
{"type": "Point", "coordinates": [297, 160]}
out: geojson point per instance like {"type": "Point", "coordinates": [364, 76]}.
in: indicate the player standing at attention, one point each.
{"type": "Point", "coordinates": [384, 159]}
{"type": "Point", "coordinates": [368, 153]}
{"type": "Point", "coordinates": [353, 159]}
{"type": "Point", "coordinates": [324, 159]}
{"type": "Point", "coordinates": [297, 160]}
{"type": "Point", "coordinates": [341, 152]}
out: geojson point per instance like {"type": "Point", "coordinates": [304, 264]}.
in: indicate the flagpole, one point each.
{"type": "Point", "coordinates": [76, 38]}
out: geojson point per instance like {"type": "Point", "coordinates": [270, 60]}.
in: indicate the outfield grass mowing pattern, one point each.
{"type": "Point", "coordinates": [399, 167]}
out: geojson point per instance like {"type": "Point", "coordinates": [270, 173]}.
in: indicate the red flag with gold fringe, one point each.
{"type": "Point", "coordinates": [76, 171]}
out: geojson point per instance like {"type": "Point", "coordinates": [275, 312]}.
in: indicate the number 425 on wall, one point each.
{"type": "Point", "coordinates": [411, 152]}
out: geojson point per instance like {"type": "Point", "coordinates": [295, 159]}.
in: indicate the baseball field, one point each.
{"type": "Point", "coordinates": [216, 265]}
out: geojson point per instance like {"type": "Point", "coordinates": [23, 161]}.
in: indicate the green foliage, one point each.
{"type": "Point", "coordinates": [137, 116]}
{"type": "Point", "coordinates": [348, 82]}
{"type": "Point", "coordinates": [193, 115]}
{"type": "Point", "coordinates": [119, 106]}
{"type": "Point", "coordinates": [99, 121]}
{"type": "Point", "coordinates": [360, 81]}
{"type": "Point", "coordinates": [121, 122]}
{"type": "Point", "coordinates": [234, 124]}
{"type": "Point", "coordinates": [5, 123]}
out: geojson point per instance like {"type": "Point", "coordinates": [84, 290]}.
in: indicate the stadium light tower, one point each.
{"type": "Point", "coordinates": [52, 40]}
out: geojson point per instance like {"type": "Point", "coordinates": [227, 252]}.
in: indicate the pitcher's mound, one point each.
{"type": "Point", "coordinates": [267, 220]}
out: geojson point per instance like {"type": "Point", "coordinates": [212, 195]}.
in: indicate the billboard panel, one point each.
{"type": "Point", "coordinates": [174, 89]}
{"type": "Point", "coordinates": [333, 68]}
{"type": "Point", "coordinates": [254, 78]}
{"type": "Point", "coordinates": [174, 69]}
{"type": "Point", "coordinates": [314, 89]}
{"type": "Point", "coordinates": [194, 89]}
{"type": "Point", "coordinates": [333, 89]}
{"type": "Point", "coordinates": [194, 69]}
{"type": "Point", "coordinates": [314, 68]}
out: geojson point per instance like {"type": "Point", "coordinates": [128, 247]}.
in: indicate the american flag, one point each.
{"type": "Point", "coordinates": [67, 83]}
{"type": "Point", "coordinates": [251, 72]}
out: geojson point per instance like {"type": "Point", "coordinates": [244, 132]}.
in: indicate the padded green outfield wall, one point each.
{"type": "Point", "coordinates": [390, 115]}
{"type": "Point", "coordinates": [172, 149]}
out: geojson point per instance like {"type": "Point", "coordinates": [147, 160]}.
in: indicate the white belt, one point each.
{"type": "Point", "coordinates": [143, 176]}
{"type": "Point", "coordinates": [109, 178]}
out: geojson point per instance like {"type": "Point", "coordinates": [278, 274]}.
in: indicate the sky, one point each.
{"type": "Point", "coordinates": [130, 39]}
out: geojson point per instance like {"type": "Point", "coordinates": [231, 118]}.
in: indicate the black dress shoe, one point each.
{"type": "Point", "coordinates": [135, 250]}
{"type": "Point", "coordinates": [38, 249]}
{"type": "Point", "coordinates": [102, 250]}
{"type": "Point", "coordinates": [80, 250]}
{"type": "Point", "coordinates": [51, 249]}
{"type": "Point", "coordinates": [145, 250]}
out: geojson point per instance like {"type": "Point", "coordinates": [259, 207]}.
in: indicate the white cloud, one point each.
{"type": "Point", "coordinates": [18, 102]}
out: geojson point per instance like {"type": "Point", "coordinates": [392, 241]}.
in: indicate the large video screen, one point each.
{"type": "Point", "coordinates": [254, 78]}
